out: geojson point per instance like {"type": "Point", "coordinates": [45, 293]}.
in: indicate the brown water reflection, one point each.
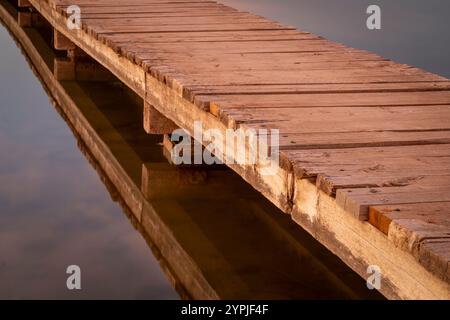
{"type": "Point", "coordinates": [211, 233]}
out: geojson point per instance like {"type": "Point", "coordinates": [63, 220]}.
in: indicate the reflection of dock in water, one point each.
{"type": "Point", "coordinates": [214, 236]}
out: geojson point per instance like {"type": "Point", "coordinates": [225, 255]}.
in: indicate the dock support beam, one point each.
{"type": "Point", "coordinates": [61, 42]}
{"type": "Point", "coordinates": [196, 153]}
{"type": "Point", "coordinates": [155, 122]}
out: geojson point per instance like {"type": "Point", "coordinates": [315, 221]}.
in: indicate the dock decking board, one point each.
{"type": "Point", "coordinates": [319, 88]}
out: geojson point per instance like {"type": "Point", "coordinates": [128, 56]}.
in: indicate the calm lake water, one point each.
{"type": "Point", "coordinates": [415, 32]}
{"type": "Point", "coordinates": [55, 211]}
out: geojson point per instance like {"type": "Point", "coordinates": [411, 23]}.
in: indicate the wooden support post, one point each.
{"type": "Point", "coordinates": [155, 122]}
{"type": "Point", "coordinates": [169, 145]}
{"type": "Point", "coordinates": [23, 4]}
{"type": "Point", "coordinates": [61, 42]}
{"type": "Point", "coordinates": [78, 54]}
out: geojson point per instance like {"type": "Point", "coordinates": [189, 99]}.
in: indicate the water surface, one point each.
{"type": "Point", "coordinates": [415, 32]}
{"type": "Point", "coordinates": [54, 210]}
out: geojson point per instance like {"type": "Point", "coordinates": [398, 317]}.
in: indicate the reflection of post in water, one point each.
{"type": "Point", "coordinates": [75, 64]}
{"type": "Point", "coordinates": [214, 236]}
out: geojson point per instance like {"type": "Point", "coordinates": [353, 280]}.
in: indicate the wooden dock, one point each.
{"type": "Point", "coordinates": [174, 215]}
{"type": "Point", "coordinates": [365, 142]}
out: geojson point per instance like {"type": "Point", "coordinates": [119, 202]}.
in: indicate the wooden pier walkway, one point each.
{"type": "Point", "coordinates": [174, 215]}
{"type": "Point", "coordinates": [365, 142]}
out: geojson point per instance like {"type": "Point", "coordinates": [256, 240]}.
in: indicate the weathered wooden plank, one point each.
{"type": "Point", "coordinates": [356, 118]}
{"type": "Point", "coordinates": [358, 201]}
{"type": "Point", "coordinates": [415, 175]}
{"type": "Point", "coordinates": [247, 63]}
{"type": "Point", "coordinates": [172, 21]}
{"type": "Point", "coordinates": [262, 77]}
{"type": "Point", "coordinates": [369, 158]}
{"type": "Point", "coordinates": [229, 102]}
{"type": "Point", "coordinates": [182, 28]}
{"type": "Point", "coordinates": [423, 229]}
{"type": "Point", "coordinates": [360, 139]}
{"type": "Point", "coordinates": [433, 213]}
{"type": "Point", "coordinates": [375, 166]}
{"type": "Point", "coordinates": [435, 256]}
{"type": "Point", "coordinates": [142, 7]}
{"type": "Point", "coordinates": [223, 47]}
{"type": "Point", "coordinates": [191, 93]}
{"type": "Point", "coordinates": [212, 36]}
{"type": "Point", "coordinates": [319, 213]}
